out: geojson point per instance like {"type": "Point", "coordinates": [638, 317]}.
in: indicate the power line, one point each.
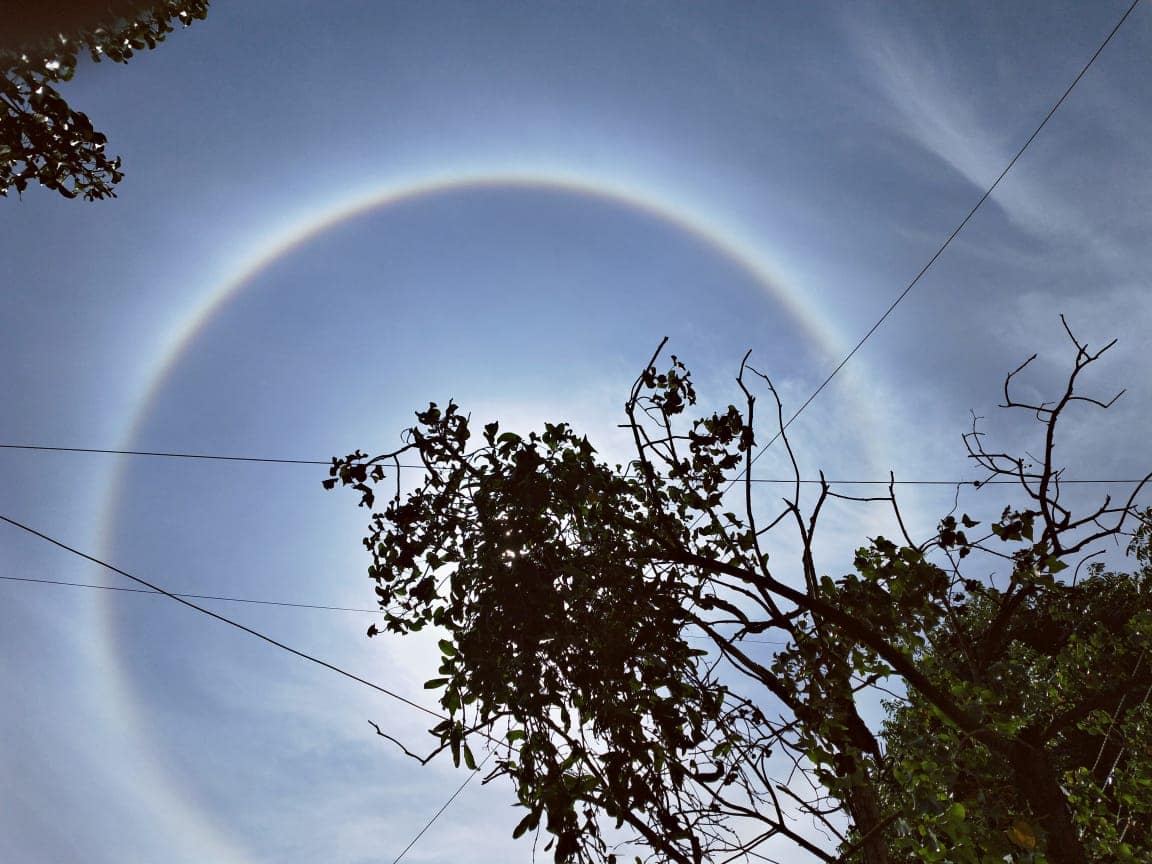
{"type": "Point", "coordinates": [444, 807]}
{"type": "Point", "coordinates": [167, 455]}
{"type": "Point", "coordinates": [955, 231]}
{"type": "Point", "coordinates": [406, 467]}
{"type": "Point", "coordinates": [249, 630]}
{"type": "Point", "coordinates": [191, 596]}
{"type": "Point", "coordinates": [252, 632]}
{"type": "Point", "coordinates": [39, 581]}
{"type": "Point", "coordinates": [151, 587]}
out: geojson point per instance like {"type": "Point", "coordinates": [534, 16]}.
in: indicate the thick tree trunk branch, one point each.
{"type": "Point", "coordinates": [853, 627]}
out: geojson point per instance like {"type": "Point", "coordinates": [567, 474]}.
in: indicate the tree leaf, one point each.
{"type": "Point", "coordinates": [1022, 834]}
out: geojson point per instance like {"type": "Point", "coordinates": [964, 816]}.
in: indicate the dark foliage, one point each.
{"type": "Point", "coordinates": [42, 138]}
{"type": "Point", "coordinates": [604, 628]}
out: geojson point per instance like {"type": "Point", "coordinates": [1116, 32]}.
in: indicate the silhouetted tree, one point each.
{"type": "Point", "coordinates": [42, 138]}
{"type": "Point", "coordinates": [570, 591]}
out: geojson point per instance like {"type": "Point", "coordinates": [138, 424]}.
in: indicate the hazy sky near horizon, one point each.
{"type": "Point", "coordinates": [335, 213]}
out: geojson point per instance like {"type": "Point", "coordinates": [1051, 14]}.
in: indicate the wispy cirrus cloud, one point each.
{"type": "Point", "coordinates": [975, 118]}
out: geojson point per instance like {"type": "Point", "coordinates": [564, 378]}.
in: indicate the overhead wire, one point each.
{"type": "Point", "coordinates": [940, 251]}
{"type": "Point", "coordinates": [223, 618]}
{"type": "Point", "coordinates": [443, 807]}
{"type": "Point", "coordinates": [410, 467]}
{"type": "Point", "coordinates": [41, 581]}
{"type": "Point", "coordinates": [152, 587]}
{"type": "Point", "coordinates": [164, 454]}
{"type": "Point", "coordinates": [220, 597]}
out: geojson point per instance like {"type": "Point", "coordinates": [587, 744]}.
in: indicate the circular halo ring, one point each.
{"type": "Point", "coordinates": [193, 823]}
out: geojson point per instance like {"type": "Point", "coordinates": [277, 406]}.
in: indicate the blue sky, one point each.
{"type": "Point", "coordinates": [560, 185]}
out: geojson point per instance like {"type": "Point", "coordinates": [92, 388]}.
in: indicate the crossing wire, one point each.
{"type": "Point", "coordinates": [164, 454]}
{"type": "Point", "coordinates": [275, 642]}
{"type": "Point", "coordinates": [220, 597]}
{"type": "Point", "coordinates": [224, 458]}
{"type": "Point", "coordinates": [40, 581]}
{"type": "Point", "coordinates": [443, 807]}
{"type": "Point", "coordinates": [223, 618]}
{"type": "Point", "coordinates": [952, 236]}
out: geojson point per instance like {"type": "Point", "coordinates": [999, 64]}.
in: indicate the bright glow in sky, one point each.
{"type": "Point", "coordinates": [335, 213]}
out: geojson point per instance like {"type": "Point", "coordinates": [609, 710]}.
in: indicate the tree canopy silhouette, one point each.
{"type": "Point", "coordinates": [42, 138]}
{"type": "Point", "coordinates": [605, 627]}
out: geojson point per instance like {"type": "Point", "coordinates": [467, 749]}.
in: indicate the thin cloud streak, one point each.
{"type": "Point", "coordinates": [936, 103]}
